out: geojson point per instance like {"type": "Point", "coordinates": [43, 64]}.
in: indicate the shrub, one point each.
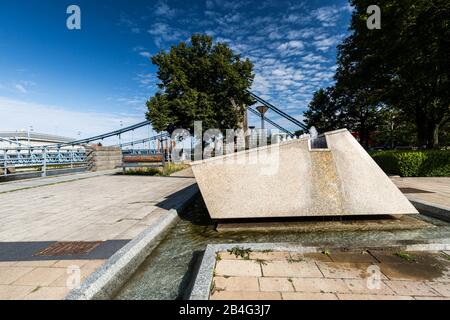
{"type": "Point", "coordinates": [427, 163]}
{"type": "Point", "coordinates": [165, 171]}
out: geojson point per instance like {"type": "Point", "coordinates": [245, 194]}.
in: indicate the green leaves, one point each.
{"type": "Point", "coordinates": [415, 163]}
{"type": "Point", "coordinates": [197, 81]}
{"type": "Point", "coordinates": [403, 66]}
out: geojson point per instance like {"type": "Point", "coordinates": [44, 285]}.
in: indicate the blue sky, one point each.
{"type": "Point", "coordinates": [84, 82]}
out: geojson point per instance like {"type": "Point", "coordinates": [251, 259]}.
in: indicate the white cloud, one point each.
{"type": "Point", "coordinates": [20, 88]}
{"type": "Point", "coordinates": [324, 42]}
{"type": "Point", "coordinates": [162, 32]}
{"type": "Point", "coordinates": [45, 118]}
{"type": "Point", "coordinates": [294, 44]}
{"type": "Point", "coordinates": [327, 15]}
{"type": "Point", "coordinates": [145, 54]}
{"type": "Point", "coordinates": [163, 9]}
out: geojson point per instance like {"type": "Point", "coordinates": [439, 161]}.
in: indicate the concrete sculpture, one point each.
{"type": "Point", "coordinates": [291, 179]}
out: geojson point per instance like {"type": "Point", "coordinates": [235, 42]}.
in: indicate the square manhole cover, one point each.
{"type": "Point", "coordinates": [413, 190]}
{"type": "Point", "coordinates": [68, 248]}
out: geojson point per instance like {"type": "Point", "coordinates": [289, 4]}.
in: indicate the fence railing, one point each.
{"type": "Point", "coordinates": [21, 160]}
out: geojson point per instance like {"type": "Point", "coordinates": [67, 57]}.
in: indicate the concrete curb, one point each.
{"type": "Point", "coordinates": [111, 276]}
{"type": "Point", "coordinates": [431, 209]}
{"type": "Point", "coordinates": [202, 284]}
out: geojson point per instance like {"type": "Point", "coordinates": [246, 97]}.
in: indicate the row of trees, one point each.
{"type": "Point", "coordinates": [392, 84]}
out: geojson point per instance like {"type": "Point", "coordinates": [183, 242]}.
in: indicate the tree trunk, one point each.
{"type": "Point", "coordinates": [436, 136]}
{"type": "Point", "coordinates": [421, 125]}
{"type": "Point", "coordinates": [363, 135]}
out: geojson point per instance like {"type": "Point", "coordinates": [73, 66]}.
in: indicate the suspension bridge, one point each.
{"type": "Point", "coordinates": [75, 155]}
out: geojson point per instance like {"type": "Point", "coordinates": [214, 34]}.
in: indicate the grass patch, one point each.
{"type": "Point", "coordinates": [446, 256]}
{"type": "Point", "coordinates": [36, 289]}
{"type": "Point", "coordinates": [292, 260]}
{"type": "Point", "coordinates": [240, 252]}
{"type": "Point", "coordinates": [214, 288]}
{"type": "Point", "coordinates": [405, 256]}
{"type": "Point", "coordinates": [261, 262]}
{"type": "Point", "coordinates": [165, 171]}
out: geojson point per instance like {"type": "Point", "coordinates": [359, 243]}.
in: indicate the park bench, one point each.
{"type": "Point", "coordinates": [142, 161]}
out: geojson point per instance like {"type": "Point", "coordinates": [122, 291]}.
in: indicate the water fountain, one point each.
{"type": "Point", "coordinates": [329, 175]}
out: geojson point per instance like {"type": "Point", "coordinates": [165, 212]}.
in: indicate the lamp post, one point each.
{"type": "Point", "coordinates": [262, 110]}
{"type": "Point", "coordinates": [120, 135]}
{"type": "Point", "coordinates": [30, 129]}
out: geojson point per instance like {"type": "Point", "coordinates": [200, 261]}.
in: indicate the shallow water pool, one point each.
{"type": "Point", "coordinates": [168, 272]}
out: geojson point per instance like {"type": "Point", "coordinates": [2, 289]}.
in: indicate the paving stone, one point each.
{"type": "Point", "coordinates": [225, 255]}
{"type": "Point", "coordinates": [275, 255]}
{"type": "Point", "coordinates": [245, 295]}
{"type": "Point", "coordinates": [413, 288]}
{"type": "Point", "coordinates": [132, 232]}
{"type": "Point", "coordinates": [43, 263]}
{"type": "Point", "coordinates": [62, 280]}
{"type": "Point", "coordinates": [275, 284]}
{"type": "Point", "coordinates": [296, 269]}
{"type": "Point", "coordinates": [93, 264]}
{"type": "Point", "coordinates": [320, 285]}
{"type": "Point", "coordinates": [48, 293]}
{"type": "Point", "coordinates": [82, 210]}
{"type": "Point", "coordinates": [431, 298]}
{"type": "Point", "coordinates": [10, 274]}
{"type": "Point", "coordinates": [308, 296]}
{"type": "Point", "coordinates": [8, 292]}
{"type": "Point", "coordinates": [40, 277]}
{"type": "Point", "coordinates": [311, 257]}
{"type": "Point", "coordinates": [343, 296]}
{"type": "Point", "coordinates": [237, 283]}
{"type": "Point", "coordinates": [368, 287]}
{"type": "Point", "coordinates": [411, 271]}
{"type": "Point", "coordinates": [68, 263]}
{"type": "Point", "coordinates": [346, 257]}
{"type": "Point", "coordinates": [7, 263]}
{"type": "Point", "coordinates": [441, 287]}
{"type": "Point", "coordinates": [387, 257]}
{"type": "Point", "coordinates": [238, 268]}
{"type": "Point", "coordinates": [336, 270]}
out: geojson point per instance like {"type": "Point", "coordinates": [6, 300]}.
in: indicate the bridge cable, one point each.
{"type": "Point", "coordinates": [278, 111]}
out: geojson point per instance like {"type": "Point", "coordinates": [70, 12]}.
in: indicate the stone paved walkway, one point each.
{"type": "Point", "coordinates": [38, 182]}
{"type": "Point", "coordinates": [79, 208]}
{"type": "Point", "coordinates": [332, 276]}
{"type": "Point", "coordinates": [438, 188]}
{"type": "Point", "coordinates": [99, 208]}
{"type": "Point", "coordinates": [43, 280]}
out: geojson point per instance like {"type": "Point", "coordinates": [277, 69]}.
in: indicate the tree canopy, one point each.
{"type": "Point", "coordinates": [200, 81]}
{"type": "Point", "coordinates": [402, 67]}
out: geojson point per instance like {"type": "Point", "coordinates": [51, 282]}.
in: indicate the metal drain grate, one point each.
{"type": "Point", "coordinates": [68, 249]}
{"type": "Point", "coordinates": [413, 190]}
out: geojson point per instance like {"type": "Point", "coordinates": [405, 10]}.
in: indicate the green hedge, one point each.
{"type": "Point", "coordinates": [430, 163]}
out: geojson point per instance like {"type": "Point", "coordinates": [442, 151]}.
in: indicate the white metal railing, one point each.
{"type": "Point", "coordinates": [12, 159]}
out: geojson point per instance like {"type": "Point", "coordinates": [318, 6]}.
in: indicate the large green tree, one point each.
{"type": "Point", "coordinates": [402, 66]}
{"type": "Point", "coordinates": [323, 111]}
{"type": "Point", "coordinates": [200, 81]}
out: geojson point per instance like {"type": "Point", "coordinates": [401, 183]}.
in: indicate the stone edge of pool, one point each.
{"type": "Point", "coordinates": [202, 283]}
{"type": "Point", "coordinates": [111, 276]}
{"type": "Point", "coordinates": [433, 210]}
